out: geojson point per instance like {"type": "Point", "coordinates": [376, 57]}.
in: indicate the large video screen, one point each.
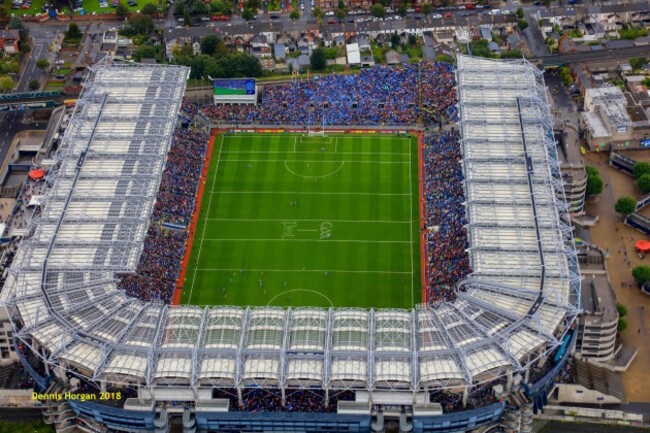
{"type": "Point", "coordinates": [234, 87]}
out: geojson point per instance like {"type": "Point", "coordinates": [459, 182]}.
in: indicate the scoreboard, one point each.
{"type": "Point", "coordinates": [235, 91]}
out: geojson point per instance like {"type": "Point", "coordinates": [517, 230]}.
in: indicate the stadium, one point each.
{"type": "Point", "coordinates": [158, 287]}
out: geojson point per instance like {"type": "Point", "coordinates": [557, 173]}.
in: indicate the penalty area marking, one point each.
{"type": "Point", "coordinates": [320, 176]}
{"type": "Point", "coordinates": [299, 290]}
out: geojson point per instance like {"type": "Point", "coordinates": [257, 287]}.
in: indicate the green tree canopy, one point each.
{"type": "Point", "coordinates": [122, 10]}
{"type": "Point", "coordinates": [426, 8]}
{"type": "Point", "coordinates": [187, 19]}
{"type": "Point", "coordinates": [641, 274]}
{"type": "Point", "coordinates": [401, 9]}
{"type": "Point", "coordinates": [42, 64]}
{"type": "Point", "coordinates": [644, 183]}
{"type": "Point", "coordinates": [6, 83]}
{"type": "Point", "coordinates": [318, 59]}
{"type": "Point", "coordinates": [625, 205]}
{"type": "Point", "coordinates": [594, 181]}
{"type": "Point", "coordinates": [641, 168]}
{"type": "Point", "coordinates": [141, 24]}
{"type": "Point", "coordinates": [378, 10]}
{"type": "Point", "coordinates": [248, 14]}
{"type": "Point", "coordinates": [318, 14]}
{"type": "Point", "coordinates": [34, 85]}
{"type": "Point", "coordinates": [622, 325]}
{"type": "Point", "coordinates": [394, 40]}
{"type": "Point", "coordinates": [523, 24]}
{"type": "Point", "coordinates": [520, 13]}
{"type": "Point", "coordinates": [149, 9]}
{"type": "Point", "coordinates": [622, 310]}
{"type": "Point", "coordinates": [73, 33]}
{"type": "Point", "coordinates": [212, 44]}
{"type": "Point", "coordinates": [294, 15]}
{"type": "Point", "coordinates": [340, 14]}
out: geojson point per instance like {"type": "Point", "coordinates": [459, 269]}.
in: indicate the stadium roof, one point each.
{"type": "Point", "coordinates": [517, 303]}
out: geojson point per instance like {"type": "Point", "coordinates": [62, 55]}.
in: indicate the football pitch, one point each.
{"type": "Point", "coordinates": [293, 220]}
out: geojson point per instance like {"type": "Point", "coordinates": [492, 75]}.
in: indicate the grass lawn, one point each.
{"type": "Point", "coordinates": [25, 427]}
{"type": "Point", "coordinates": [33, 10]}
{"type": "Point", "coordinates": [91, 6]}
{"type": "Point", "coordinates": [351, 239]}
{"type": "Point", "coordinates": [55, 85]}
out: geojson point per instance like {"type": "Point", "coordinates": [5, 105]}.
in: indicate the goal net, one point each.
{"type": "Point", "coordinates": [316, 134]}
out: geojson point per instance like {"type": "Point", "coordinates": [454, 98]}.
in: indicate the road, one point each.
{"type": "Point", "coordinates": [10, 125]}
{"type": "Point", "coordinates": [42, 37]}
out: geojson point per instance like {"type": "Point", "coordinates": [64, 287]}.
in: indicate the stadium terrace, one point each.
{"type": "Point", "coordinates": [90, 287]}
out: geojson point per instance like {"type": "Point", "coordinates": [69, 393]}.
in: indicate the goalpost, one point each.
{"type": "Point", "coordinates": [316, 133]}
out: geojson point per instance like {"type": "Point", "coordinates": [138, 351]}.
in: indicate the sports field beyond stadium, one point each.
{"type": "Point", "coordinates": [319, 221]}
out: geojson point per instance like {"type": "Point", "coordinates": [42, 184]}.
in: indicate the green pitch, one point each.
{"type": "Point", "coordinates": [319, 221]}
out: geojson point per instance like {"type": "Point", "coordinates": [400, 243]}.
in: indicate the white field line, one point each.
{"type": "Point", "coordinates": [214, 180]}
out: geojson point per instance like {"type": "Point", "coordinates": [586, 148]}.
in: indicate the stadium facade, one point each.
{"type": "Point", "coordinates": [510, 329]}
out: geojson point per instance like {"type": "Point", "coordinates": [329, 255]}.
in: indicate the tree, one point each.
{"type": "Point", "coordinates": [42, 64]}
{"type": "Point", "coordinates": [378, 10]}
{"type": "Point", "coordinates": [426, 8]}
{"type": "Point", "coordinates": [622, 325]}
{"type": "Point", "coordinates": [141, 24]}
{"type": "Point", "coordinates": [523, 24]}
{"type": "Point", "coordinates": [6, 83]}
{"type": "Point", "coordinates": [248, 14]}
{"type": "Point", "coordinates": [121, 10]}
{"type": "Point", "coordinates": [146, 52]}
{"type": "Point", "coordinates": [342, 5]}
{"type": "Point", "coordinates": [565, 76]}
{"type": "Point", "coordinates": [34, 85]}
{"type": "Point", "coordinates": [622, 310]}
{"type": "Point", "coordinates": [73, 33]}
{"type": "Point", "coordinates": [213, 44]}
{"type": "Point", "coordinates": [394, 40]}
{"type": "Point", "coordinates": [340, 14]}
{"type": "Point", "coordinates": [149, 9]}
{"type": "Point", "coordinates": [17, 24]}
{"type": "Point", "coordinates": [401, 9]}
{"type": "Point", "coordinates": [594, 181]}
{"type": "Point", "coordinates": [520, 13]}
{"type": "Point", "coordinates": [641, 168]}
{"type": "Point", "coordinates": [4, 11]}
{"type": "Point", "coordinates": [641, 274]}
{"type": "Point", "coordinates": [187, 20]}
{"type": "Point", "coordinates": [318, 59]}
{"type": "Point", "coordinates": [294, 15]}
{"type": "Point", "coordinates": [253, 5]}
{"type": "Point", "coordinates": [318, 14]}
{"type": "Point", "coordinates": [625, 205]}
{"type": "Point", "coordinates": [413, 39]}
{"type": "Point", "coordinates": [638, 62]}
{"type": "Point", "coordinates": [644, 183]}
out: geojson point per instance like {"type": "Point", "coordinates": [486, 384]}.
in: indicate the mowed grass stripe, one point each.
{"type": "Point", "coordinates": [364, 207]}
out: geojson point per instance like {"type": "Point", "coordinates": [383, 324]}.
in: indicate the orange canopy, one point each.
{"type": "Point", "coordinates": [38, 174]}
{"type": "Point", "coordinates": [643, 245]}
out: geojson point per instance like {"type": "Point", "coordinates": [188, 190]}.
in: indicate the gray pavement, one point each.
{"type": "Point", "coordinates": [11, 124]}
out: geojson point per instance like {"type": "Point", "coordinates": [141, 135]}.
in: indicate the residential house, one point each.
{"type": "Point", "coordinates": [582, 79]}
{"type": "Point", "coordinates": [9, 41]}
{"type": "Point", "coordinates": [485, 33]}
{"type": "Point", "coordinates": [625, 68]}
{"type": "Point", "coordinates": [364, 42]}
{"type": "Point", "coordinates": [596, 29]}
{"type": "Point", "coordinates": [493, 47]}
{"type": "Point", "coordinates": [392, 58]}
{"type": "Point", "coordinates": [428, 52]}
{"type": "Point", "coordinates": [354, 56]}
{"type": "Point", "coordinates": [367, 59]}
{"type": "Point", "coordinates": [444, 37]}
{"type": "Point", "coordinates": [196, 46]}
{"type": "Point", "coordinates": [642, 41]}
{"type": "Point", "coordinates": [547, 27]}
{"type": "Point", "coordinates": [513, 41]}
{"type": "Point", "coordinates": [280, 52]}
{"type": "Point", "coordinates": [299, 63]}
{"type": "Point", "coordinates": [339, 40]}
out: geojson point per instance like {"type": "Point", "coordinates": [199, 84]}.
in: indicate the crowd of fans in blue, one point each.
{"type": "Point", "coordinates": [446, 240]}
{"type": "Point", "coordinates": [381, 95]}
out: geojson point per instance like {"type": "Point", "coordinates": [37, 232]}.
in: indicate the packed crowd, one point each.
{"type": "Point", "coordinates": [163, 249]}
{"type": "Point", "coordinates": [265, 400]}
{"type": "Point", "coordinates": [382, 95]}
{"type": "Point", "coordinates": [453, 402]}
{"type": "Point", "coordinates": [158, 267]}
{"type": "Point", "coordinates": [445, 235]}
{"type": "Point", "coordinates": [180, 179]}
